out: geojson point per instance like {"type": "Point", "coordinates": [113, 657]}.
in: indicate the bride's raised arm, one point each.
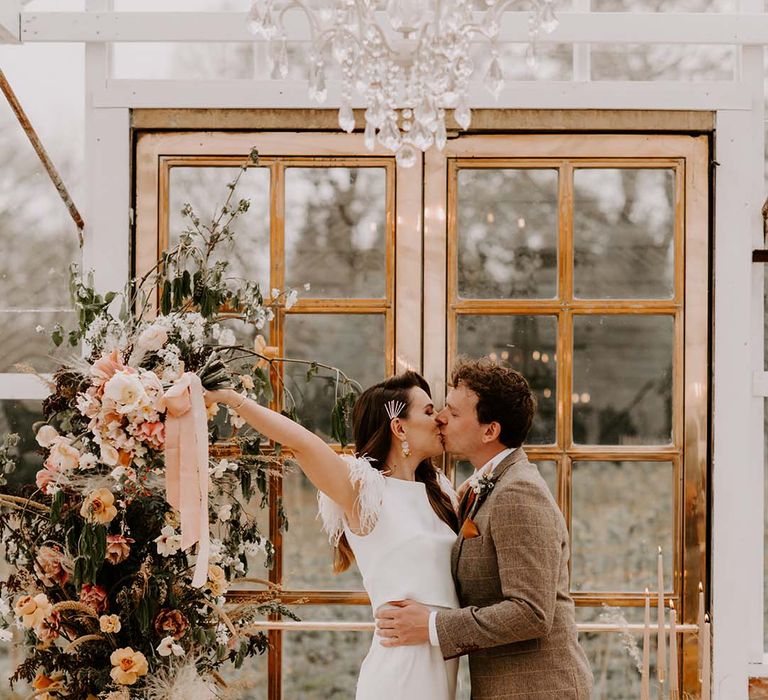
{"type": "Point", "coordinates": [323, 467]}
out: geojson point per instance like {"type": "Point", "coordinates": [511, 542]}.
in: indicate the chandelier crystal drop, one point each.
{"type": "Point", "coordinates": [408, 59]}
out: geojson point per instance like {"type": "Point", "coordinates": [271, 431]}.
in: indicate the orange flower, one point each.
{"type": "Point", "coordinates": [267, 352]}
{"type": "Point", "coordinates": [118, 548]}
{"type": "Point", "coordinates": [127, 666]}
{"type": "Point", "coordinates": [33, 611]}
{"type": "Point", "coordinates": [50, 683]}
{"type": "Point", "coordinates": [99, 507]}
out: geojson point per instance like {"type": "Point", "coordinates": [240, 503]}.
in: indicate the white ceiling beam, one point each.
{"type": "Point", "coordinates": [574, 27]}
{"type": "Point", "coordinates": [10, 22]}
{"type": "Point", "coordinates": [246, 94]}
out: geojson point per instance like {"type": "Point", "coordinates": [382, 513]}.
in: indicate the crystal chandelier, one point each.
{"type": "Point", "coordinates": [411, 63]}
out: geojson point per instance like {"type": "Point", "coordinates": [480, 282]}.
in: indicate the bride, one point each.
{"type": "Point", "coordinates": [389, 509]}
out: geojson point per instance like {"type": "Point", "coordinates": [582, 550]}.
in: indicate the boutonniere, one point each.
{"type": "Point", "coordinates": [482, 487]}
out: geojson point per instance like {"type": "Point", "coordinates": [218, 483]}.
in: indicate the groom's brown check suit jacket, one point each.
{"type": "Point", "coordinates": [517, 617]}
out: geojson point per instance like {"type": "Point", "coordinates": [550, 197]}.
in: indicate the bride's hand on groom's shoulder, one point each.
{"type": "Point", "coordinates": [404, 624]}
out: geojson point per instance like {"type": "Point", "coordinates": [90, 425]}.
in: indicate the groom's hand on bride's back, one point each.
{"type": "Point", "coordinates": [405, 623]}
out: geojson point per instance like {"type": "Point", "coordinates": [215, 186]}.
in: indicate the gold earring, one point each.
{"type": "Point", "coordinates": [406, 448]}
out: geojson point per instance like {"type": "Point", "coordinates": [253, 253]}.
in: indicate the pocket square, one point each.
{"type": "Point", "coordinates": [469, 529]}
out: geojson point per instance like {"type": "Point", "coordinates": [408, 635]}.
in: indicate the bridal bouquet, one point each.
{"type": "Point", "coordinates": [122, 556]}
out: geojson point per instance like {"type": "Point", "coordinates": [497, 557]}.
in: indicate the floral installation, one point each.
{"type": "Point", "coordinates": [118, 588]}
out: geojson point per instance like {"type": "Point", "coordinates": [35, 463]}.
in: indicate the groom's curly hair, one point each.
{"type": "Point", "coordinates": [503, 396]}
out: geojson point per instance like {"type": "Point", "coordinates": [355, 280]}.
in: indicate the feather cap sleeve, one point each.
{"type": "Point", "coordinates": [369, 483]}
{"type": "Point", "coordinates": [447, 487]}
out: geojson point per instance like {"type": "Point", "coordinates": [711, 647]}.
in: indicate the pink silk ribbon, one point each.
{"type": "Point", "coordinates": [186, 466]}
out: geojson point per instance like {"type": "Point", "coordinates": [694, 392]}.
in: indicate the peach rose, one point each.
{"type": "Point", "coordinates": [110, 624]}
{"type": "Point", "coordinates": [98, 507]}
{"type": "Point", "coordinates": [46, 436]}
{"type": "Point", "coordinates": [217, 580]}
{"type": "Point", "coordinates": [63, 457]}
{"type": "Point", "coordinates": [49, 566]}
{"type": "Point", "coordinates": [94, 596]}
{"type": "Point", "coordinates": [127, 666]}
{"type": "Point", "coordinates": [33, 610]}
{"type": "Point", "coordinates": [106, 366]}
{"type": "Point", "coordinates": [118, 548]}
{"type": "Point", "coordinates": [109, 455]}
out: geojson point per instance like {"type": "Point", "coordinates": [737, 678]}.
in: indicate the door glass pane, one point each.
{"type": "Point", "coordinates": [336, 231]}
{"type": "Point", "coordinates": [624, 233]}
{"type": "Point", "coordinates": [616, 659]}
{"type": "Point", "coordinates": [325, 665]}
{"type": "Point", "coordinates": [507, 228]}
{"type": "Point", "coordinates": [205, 188]}
{"type": "Point", "coordinates": [26, 339]}
{"type": "Point", "coordinates": [353, 343]}
{"type": "Point", "coordinates": [307, 553]}
{"type": "Point", "coordinates": [18, 416]}
{"type": "Point", "coordinates": [622, 512]}
{"type": "Point", "coordinates": [250, 680]}
{"type": "Point", "coordinates": [525, 343]}
{"type": "Point", "coordinates": [622, 379]}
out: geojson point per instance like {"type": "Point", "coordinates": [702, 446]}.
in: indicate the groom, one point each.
{"type": "Point", "coordinates": [510, 562]}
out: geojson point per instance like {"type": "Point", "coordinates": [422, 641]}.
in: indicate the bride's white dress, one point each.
{"type": "Point", "coordinates": [406, 554]}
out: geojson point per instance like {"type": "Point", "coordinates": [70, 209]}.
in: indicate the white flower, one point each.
{"type": "Point", "coordinates": [307, 286]}
{"type": "Point", "coordinates": [168, 543]}
{"type": "Point", "coordinates": [227, 337]}
{"type": "Point", "coordinates": [246, 381]}
{"type": "Point", "coordinates": [46, 436]}
{"type": "Point", "coordinates": [88, 461]}
{"type": "Point", "coordinates": [39, 329]}
{"type": "Point", "coordinates": [215, 330]}
{"type": "Point", "coordinates": [6, 635]}
{"type": "Point", "coordinates": [216, 551]}
{"type": "Point", "coordinates": [169, 646]}
{"type": "Point", "coordinates": [220, 469]}
{"type": "Point", "coordinates": [235, 419]}
{"type": "Point", "coordinates": [109, 455]}
{"type": "Point", "coordinates": [253, 549]}
{"type": "Point", "coordinates": [126, 391]}
{"type": "Point", "coordinates": [152, 338]}
{"type": "Point", "coordinates": [225, 513]}
{"type": "Point", "coordinates": [291, 299]}
{"type": "Point", "coordinates": [222, 634]}
{"type": "Point", "coordinates": [275, 292]}
{"type": "Point", "coordinates": [5, 606]}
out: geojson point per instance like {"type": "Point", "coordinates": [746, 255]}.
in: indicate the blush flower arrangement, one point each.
{"type": "Point", "coordinates": [123, 551]}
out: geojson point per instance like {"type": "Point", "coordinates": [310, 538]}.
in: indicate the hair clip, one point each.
{"type": "Point", "coordinates": [394, 408]}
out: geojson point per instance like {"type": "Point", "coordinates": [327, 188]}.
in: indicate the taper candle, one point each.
{"type": "Point", "coordinates": [700, 622]}
{"type": "Point", "coordinates": [645, 686]}
{"type": "Point", "coordinates": [661, 658]}
{"type": "Point", "coordinates": [705, 670]}
{"type": "Point", "coordinates": [673, 684]}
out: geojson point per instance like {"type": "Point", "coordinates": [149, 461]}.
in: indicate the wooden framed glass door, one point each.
{"type": "Point", "coordinates": [582, 260]}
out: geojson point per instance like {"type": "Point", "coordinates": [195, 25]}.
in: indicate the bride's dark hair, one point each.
{"type": "Point", "coordinates": [373, 439]}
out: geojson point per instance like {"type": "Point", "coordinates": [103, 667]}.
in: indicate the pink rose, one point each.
{"type": "Point", "coordinates": [44, 478]}
{"type": "Point", "coordinates": [49, 566]}
{"type": "Point", "coordinates": [118, 548]}
{"type": "Point", "coordinates": [48, 629]}
{"type": "Point", "coordinates": [153, 433]}
{"type": "Point", "coordinates": [95, 596]}
{"type": "Point", "coordinates": [107, 365]}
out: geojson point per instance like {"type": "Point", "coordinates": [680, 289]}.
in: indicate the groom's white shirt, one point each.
{"type": "Point", "coordinates": [485, 470]}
